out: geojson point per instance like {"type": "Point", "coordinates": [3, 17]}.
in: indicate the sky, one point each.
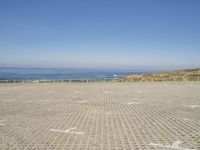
{"type": "Point", "coordinates": [110, 34]}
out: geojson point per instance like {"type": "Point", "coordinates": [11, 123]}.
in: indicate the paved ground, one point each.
{"type": "Point", "coordinates": [129, 116]}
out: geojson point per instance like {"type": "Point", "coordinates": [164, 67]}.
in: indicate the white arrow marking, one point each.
{"type": "Point", "coordinates": [130, 103]}
{"type": "Point", "coordinates": [194, 106]}
{"type": "Point", "coordinates": [67, 131]}
{"type": "Point", "coordinates": [82, 101]}
{"type": "Point", "coordinates": [175, 145]}
{"type": "Point", "coordinates": [186, 119]}
{"type": "Point", "coordinates": [107, 92]}
{"type": "Point", "coordinates": [1, 124]}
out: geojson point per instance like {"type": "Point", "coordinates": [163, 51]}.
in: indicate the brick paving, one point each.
{"type": "Point", "coordinates": [100, 116]}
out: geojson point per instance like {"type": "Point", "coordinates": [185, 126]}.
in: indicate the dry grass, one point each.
{"type": "Point", "coordinates": [183, 75]}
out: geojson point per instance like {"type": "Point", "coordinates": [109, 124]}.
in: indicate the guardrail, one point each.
{"type": "Point", "coordinates": [65, 81]}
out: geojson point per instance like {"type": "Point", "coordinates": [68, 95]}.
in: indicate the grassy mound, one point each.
{"type": "Point", "coordinates": [181, 75]}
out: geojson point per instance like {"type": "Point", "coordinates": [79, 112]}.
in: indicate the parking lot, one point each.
{"type": "Point", "coordinates": [100, 116]}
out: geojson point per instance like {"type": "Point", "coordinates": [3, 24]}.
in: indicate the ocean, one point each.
{"type": "Point", "coordinates": [63, 74]}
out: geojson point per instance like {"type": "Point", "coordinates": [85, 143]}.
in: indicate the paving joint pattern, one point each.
{"type": "Point", "coordinates": [100, 116]}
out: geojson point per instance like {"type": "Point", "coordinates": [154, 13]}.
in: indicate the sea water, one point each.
{"type": "Point", "coordinates": [62, 73]}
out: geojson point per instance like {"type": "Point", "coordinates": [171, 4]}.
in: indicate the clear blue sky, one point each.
{"type": "Point", "coordinates": [129, 34]}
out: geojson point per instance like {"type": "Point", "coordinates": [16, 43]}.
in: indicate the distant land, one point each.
{"type": "Point", "coordinates": [179, 75]}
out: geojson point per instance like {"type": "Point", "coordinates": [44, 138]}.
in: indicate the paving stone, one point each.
{"type": "Point", "coordinates": [100, 116]}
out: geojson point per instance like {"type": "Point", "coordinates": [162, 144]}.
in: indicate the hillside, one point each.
{"type": "Point", "coordinates": [180, 75]}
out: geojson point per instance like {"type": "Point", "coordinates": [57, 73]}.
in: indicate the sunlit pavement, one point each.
{"type": "Point", "coordinates": [106, 116]}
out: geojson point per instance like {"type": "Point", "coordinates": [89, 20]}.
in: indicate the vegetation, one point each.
{"type": "Point", "coordinates": [181, 75]}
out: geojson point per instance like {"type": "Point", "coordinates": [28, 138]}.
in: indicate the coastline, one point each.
{"type": "Point", "coordinates": [84, 77]}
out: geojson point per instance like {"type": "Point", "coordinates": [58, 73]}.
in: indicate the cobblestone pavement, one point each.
{"type": "Point", "coordinates": [101, 116]}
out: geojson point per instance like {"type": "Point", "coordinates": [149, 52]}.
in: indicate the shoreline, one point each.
{"type": "Point", "coordinates": [170, 76]}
